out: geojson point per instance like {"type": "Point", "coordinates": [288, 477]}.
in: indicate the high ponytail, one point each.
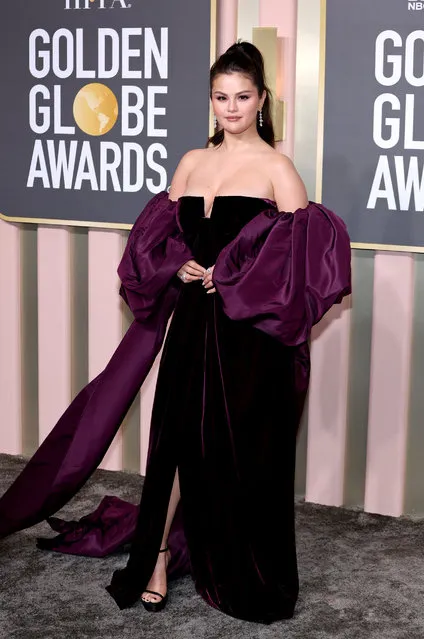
{"type": "Point", "coordinates": [245, 58]}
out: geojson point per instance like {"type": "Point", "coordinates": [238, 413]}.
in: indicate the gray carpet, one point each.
{"type": "Point", "coordinates": [362, 577]}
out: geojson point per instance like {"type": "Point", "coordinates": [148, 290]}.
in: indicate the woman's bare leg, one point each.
{"type": "Point", "coordinates": [158, 581]}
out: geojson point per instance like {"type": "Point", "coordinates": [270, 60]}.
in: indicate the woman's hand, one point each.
{"type": "Point", "coordinates": [191, 271]}
{"type": "Point", "coordinates": [207, 280]}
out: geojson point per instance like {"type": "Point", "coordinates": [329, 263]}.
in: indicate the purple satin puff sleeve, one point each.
{"type": "Point", "coordinates": [284, 271]}
{"type": "Point", "coordinates": [154, 253]}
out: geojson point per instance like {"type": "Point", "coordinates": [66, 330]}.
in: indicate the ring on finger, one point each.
{"type": "Point", "coordinates": [183, 276]}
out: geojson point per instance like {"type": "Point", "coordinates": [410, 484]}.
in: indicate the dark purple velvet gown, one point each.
{"type": "Point", "coordinates": [226, 414]}
{"type": "Point", "coordinates": [232, 382]}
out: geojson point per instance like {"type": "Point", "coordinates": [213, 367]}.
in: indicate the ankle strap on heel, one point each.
{"type": "Point", "coordinates": [164, 549]}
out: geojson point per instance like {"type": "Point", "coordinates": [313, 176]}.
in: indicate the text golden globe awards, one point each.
{"type": "Point", "coordinates": [129, 54]}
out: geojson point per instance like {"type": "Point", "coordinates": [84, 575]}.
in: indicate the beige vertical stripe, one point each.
{"type": "Point", "coordinates": [359, 377]}
{"type": "Point", "coordinates": [29, 333]}
{"type": "Point", "coordinates": [248, 17]}
{"type": "Point", "coordinates": [79, 308]}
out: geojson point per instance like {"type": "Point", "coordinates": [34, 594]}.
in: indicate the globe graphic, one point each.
{"type": "Point", "coordinates": [95, 109]}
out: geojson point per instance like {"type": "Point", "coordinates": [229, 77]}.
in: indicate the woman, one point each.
{"type": "Point", "coordinates": [227, 409]}
{"type": "Point", "coordinates": [235, 364]}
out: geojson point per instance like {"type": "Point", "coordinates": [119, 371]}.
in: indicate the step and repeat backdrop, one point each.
{"type": "Point", "coordinates": [103, 98]}
{"type": "Point", "coordinates": [373, 125]}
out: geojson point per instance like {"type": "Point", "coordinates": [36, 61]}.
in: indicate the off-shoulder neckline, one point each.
{"type": "Point", "coordinates": [248, 197]}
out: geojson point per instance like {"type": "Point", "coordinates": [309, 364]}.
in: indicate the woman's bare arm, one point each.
{"type": "Point", "coordinates": [289, 190]}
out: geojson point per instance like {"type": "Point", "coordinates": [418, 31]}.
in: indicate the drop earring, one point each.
{"type": "Point", "coordinates": [215, 122]}
{"type": "Point", "coordinates": [261, 120]}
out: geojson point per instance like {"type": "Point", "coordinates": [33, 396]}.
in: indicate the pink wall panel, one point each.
{"type": "Point", "coordinates": [104, 314]}
{"type": "Point", "coordinates": [227, 24]}
{"type": "Point", "coordinates": [389, 384]}
{"type": "Point", "coordinates": [10, 340]}
{"type": "Point", "coordinates": [54, 326]}
{"type": "Point", "coordinates": [328, 397]}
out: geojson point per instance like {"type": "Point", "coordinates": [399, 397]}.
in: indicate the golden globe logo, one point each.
{"type": "Point", "coordinates": [95, 109]}
{"type": "Point", "coordinates": [100, 4]}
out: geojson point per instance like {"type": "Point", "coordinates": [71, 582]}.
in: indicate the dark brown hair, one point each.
{"type": "Point", "coordinates": [245, 58]}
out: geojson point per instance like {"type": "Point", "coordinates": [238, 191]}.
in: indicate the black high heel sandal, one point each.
{"type": "Point", "coordinates": [156, 606]}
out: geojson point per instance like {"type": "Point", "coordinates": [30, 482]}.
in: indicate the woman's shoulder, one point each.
{"type": "Point", "coordinates": [186, 166]}
{"type": "Point", "coordinates": [276, 160]}
{"type": "Point", "coordinates": [192, 157]}
{"type": "Point", "coordinates": [289, 189]}
{"type": "Point", "coordinates": [279, 166]}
